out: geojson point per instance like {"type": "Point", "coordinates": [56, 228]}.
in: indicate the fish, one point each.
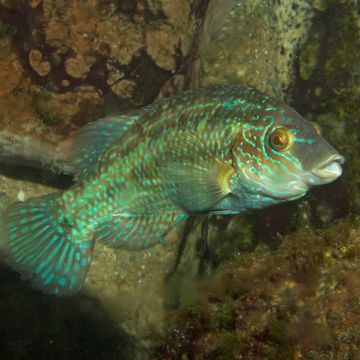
{"type": "Point", "coordinates": [218, 149]}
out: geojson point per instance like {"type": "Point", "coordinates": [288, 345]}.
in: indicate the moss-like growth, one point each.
{"type": "Point", "coordinates": [300, 302]}
{"type": "Point", "coordinates": [308, 61]}
{"type": "Point", "coordinates": [48, 116]}
{"type": "Point", "coordinates": [6, 30]}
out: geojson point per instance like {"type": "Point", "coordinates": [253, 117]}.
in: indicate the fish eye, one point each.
{"type": "Point", "coordinates": [281, 139]}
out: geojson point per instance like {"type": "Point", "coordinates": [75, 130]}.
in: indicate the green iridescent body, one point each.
{"type": "Point", "coordinates": [138, 175]}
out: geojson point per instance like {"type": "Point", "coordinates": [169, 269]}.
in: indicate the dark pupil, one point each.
{"type": "Point", "coordinates": [279, 140]}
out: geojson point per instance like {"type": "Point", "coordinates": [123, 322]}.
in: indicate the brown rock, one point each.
{"type": "Point", "coordinates": [38, 64]}
{"type": "Point", "coordinates": [66, 110]}
{"type": "Point", "coordinates": [161, 44]}
{"type": "Point", "coordinates": [78, 67]}
{"type": "Point", "coordinates": [35, 3]}
{"type": "Point", "coordinates": [123, 88]}
{"type": "Point", "coordinates": [110, 31]}
{"type": "Point", "coordinates": [10, 68]}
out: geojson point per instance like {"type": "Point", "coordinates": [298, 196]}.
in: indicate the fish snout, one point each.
{"type": "Point", "coordinates": [329, 170]}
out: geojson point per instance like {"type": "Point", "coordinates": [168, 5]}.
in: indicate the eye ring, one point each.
{"type": "Point", "coordinates": [281, 139]}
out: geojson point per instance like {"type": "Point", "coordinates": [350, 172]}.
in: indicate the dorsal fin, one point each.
{"type": "Point", "coordinates": [96, 137]}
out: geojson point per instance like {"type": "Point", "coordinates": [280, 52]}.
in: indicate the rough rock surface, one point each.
{"type": "Point", "coordinates": [121, 53]}
{"type": "Point", "coordinates": [257, 45]}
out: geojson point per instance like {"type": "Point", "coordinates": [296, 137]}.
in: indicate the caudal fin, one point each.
{"type": "Point", "coordinates": [36, 238]}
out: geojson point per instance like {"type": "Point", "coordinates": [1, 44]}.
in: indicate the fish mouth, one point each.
{"type": "Point", "coordinates": [328, 170]}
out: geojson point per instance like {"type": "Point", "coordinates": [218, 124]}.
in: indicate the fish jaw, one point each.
{"type": "Point", "coordinates": [327, 172]}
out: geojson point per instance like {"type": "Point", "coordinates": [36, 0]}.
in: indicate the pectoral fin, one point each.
{"type": "Point", "coordinates": [196, 176]}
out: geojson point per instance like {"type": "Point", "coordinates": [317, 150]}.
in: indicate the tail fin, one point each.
{"type": "Point", "coordinates": [37, 240]}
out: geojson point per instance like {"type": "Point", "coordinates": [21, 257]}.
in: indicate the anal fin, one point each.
{"type": "Point", "coordinates": [137, 232]}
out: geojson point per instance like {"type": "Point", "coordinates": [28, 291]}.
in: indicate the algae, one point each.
{"type": "Point", "coordinates": [47, 115]}
{"type": "Point", "coordinates": [301, 301]}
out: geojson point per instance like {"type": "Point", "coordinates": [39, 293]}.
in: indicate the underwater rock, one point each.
{"type": "Point", "coordinates": [130, 286]}
{"type": "Point", "coordinates": [38, 64]}
{"type": "Point", "coordinates": [123, 51]}
{"type": "Point", "coordinates": [257, 45]}
{"type": "Point", "coordinates": [68, 110]}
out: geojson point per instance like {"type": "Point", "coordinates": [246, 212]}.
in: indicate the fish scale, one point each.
{"type": "Point", "coordinates": [216, 150]}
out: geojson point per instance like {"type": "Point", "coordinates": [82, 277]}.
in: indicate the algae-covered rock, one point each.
{"type": "Point", "coordinates": [257, 45]}
{"type": "Point", "coordinates": [121, 52]}
{"type": "Point", "coordinates": [301, 301]}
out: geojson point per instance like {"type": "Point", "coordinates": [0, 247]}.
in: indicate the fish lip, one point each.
{"type": "Point", "coordinates": [336, 157]}
{"type": "Point", "coordinates": [330, 169]}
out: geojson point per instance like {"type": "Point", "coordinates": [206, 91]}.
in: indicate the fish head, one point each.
{"type": "Point", "coordinates": [279, 156]}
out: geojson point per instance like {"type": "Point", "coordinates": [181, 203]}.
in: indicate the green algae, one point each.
{"type": "Point", "coordinates": [308, 62]}
{"type": "Point", "coordinates": [6, 30]}
{"type": "Point", "coordinates": [47, 115]}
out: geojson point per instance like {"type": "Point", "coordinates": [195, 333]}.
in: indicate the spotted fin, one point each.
{"type": "Point", "coordinates": [137, 232]}
{"type": "Point", "coordinates": [94, 138]}
{"type": "Point", "coordinates": [198, 178]}
{"type": "Point", "coordinates": [34, 238]}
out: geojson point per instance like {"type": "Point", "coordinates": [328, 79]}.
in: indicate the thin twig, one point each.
{"type": "Point", "coordinates": [34, 153]}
